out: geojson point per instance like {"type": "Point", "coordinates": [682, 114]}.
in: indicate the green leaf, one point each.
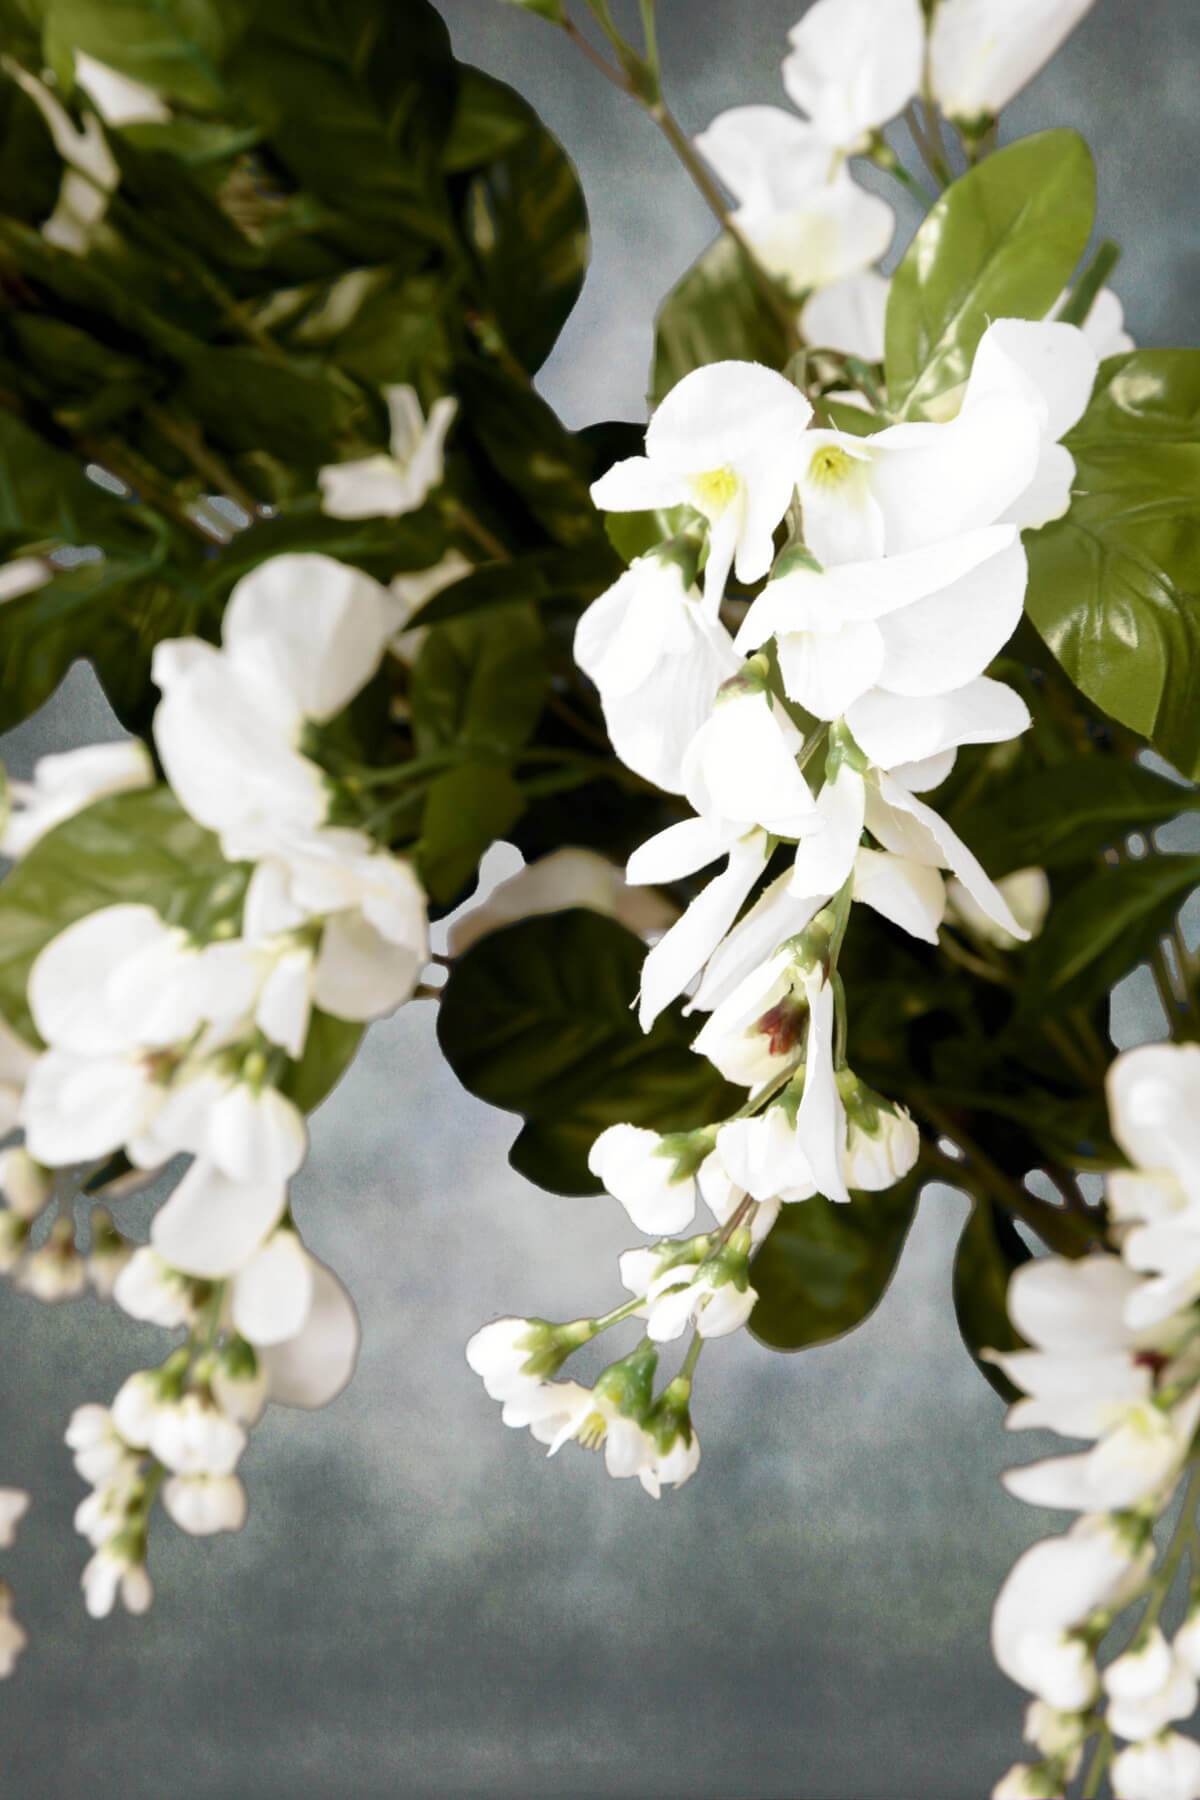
{"type": "Point", "coordinates": [466, 810]}
{"type": "Point", "coordinates": [1103, 928]}
{"type": "Point", "coordinates": [1002, 242]}
{"type": "Point", "coordinates": [634, 534]}
{"type": "Point", "coordinates": [139, 848]}
{"type": "Point", "coordinates": [530, 449]}
{"type": "Point", "coordinates": [1115, 586]}
{"type": "Point", "coordinates": [30, 170]}
{"type": "Point", "coordinates": [176, 46]}
{"type": "Point", "coordinates": [329, 1049]}
{"type": "Point", "coordinates": [356, 97]}
{"type": "Point", "coordinates": [825, 1268]}
{"type": "Point", "coordinates": [245, 400]}
{"type": "Point", "coordinates": [526, 221]}
{"type": "Point", "coordinates": [480, 682]}
{"type": "Point", "coordinates": [45, 497]}
{"type": "Point", "coordinates": [540, 575]}
{"type": "Point", "coordinates": [714, 313]}
{"type": "Point", "coordinates": [536, 1019]}
{"type": "Point", "coordinates": [1070, 813]}
{"type": "Point", "coordinates": [989, 1250]}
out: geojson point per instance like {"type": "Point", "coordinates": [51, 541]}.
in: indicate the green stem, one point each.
{"type": "Point", "coordinates": [1099, 1763]}
{"type": "Point", "coordinates": [1084, 293]}
{"type": "Point", "coordinates": [474, 527]}
{"type": "Point", "coordinates": [1063, 1231]}
{"type": "Point", "coordinates": [688, 1367]}
{"type": "Point", "coordinates": [189, 441]}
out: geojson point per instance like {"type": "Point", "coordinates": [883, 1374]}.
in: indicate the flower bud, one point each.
{"type": "Point", "coordinates": [882, 1142]}
{"type": "Point", "coordinates": [509, 1355]}
{"type": "Point", "coordinates": [653, 1177]}
{"type": "Point", "coordinates": [1029, 1781]}
{"type": "Point", "coordinates": [25, 1184]}
{"type": "Point", "coordinates": [1166, 1768]}
{"type": "Point", "coordinates": [204, 1504]}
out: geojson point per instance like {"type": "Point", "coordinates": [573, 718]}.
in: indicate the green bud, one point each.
{"type": "Point", "coordinates": [670, 1417]}
{"type": "Point", "coordinates": [629, 1384]}
{"type": "Point", "coordinates": [238, 1360]}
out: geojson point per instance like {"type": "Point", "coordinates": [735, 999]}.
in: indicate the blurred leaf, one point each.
{"type": "Point", "coordinates": [490, 119]}
{"type": "Point", "coordinates": [536, 1019]}
{"type": "Point", "coordinates": [526, 221]}
{"type": "Point", "coordinates": [480, 682]}
{"type": "Point", "coordinates": [1070, 813]}
{"type": "Point", "coordinates": [466, 810]}
{"type": "Point", "coordinates": [329, 1049]}
{"type": "Point", "coordinates": [1115, 586]}
{"type": "Point", "coordinates": [530, 450]}
{"type": "Point", "coordinates": [176, 46]}
{"type": "Point", "coordinates": [30, 169]}
{"type": "Point", "coordinates": [989, 1250]}
{"type": "Point", "coordinates": [1001, 243]}
{"type": "Point", "coordinates": [1105, 927]}
{"type": "Point", "coordinates": [634, 534]}
{"type": "Point", "coordinates": [716, 312]}
{"type": "Point", "coordinates": [825, 1268]}
{"type": "Point", "coordinates": [537, 576]}
{"type": "Point", "coordinates": [245, 401]}
{"type": "Point", "coordinates": [46, 497]}
{"type": "Point", "coordinates": [139, 848]}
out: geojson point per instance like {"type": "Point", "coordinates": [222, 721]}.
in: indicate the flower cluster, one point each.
{"type": "Point", "coordinates": [1114, 1360]}
{"type": "Point", "coordinates": [801, 718]}
{"type": "Point", "coordinates": [853, 66]}
{"type": "Point", "coordinates": [162, 1039]}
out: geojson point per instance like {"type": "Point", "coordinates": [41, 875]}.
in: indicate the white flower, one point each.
{"type": "Point", "coordinates": [564, 879]}
{"type": "Point", "coordinates": [13, 1637]}
{"type": "Point", "coordinates": [400, 480]}
{"type": "Point", "coordinates": [982, 52]}
{"type": "Point", "coordinates": [1138, 1457]}
{"type": "Point", "coordinates": [725, 441]}
{"type": "Point", "coordinates": [204, 1504]}
{"type": "Point", "coordinates": [211, 1226]}
{"type": "Point", "coordinates": [1165, 1768]}
{"type": "Point", "coordinates": [100, 1453]}
{"type": "Point", "coordinates": [91, 173]}
{"type": "Point", "coordinates": [76, 1108]}
{"type": "Point", "coordinates": [1024, 1781]}
{"type": "Point", "coordinates": [807, 221]}
{"type": "Point", "coordinates": [1104, 327]}
{"type": "Point", "coordinates": [855, 64]}
{"type": "Point", "coordinates": [557, 1412]}
{"type": "Point", "coordinates": [653, 1177]}
{"type": "Point", "coordinates": [1060, 1735]}
{"type": "Point", "coordinates": [670, 1467]}
{"type": "Point", "coordinates": [24, 1183]}
{"type": "Point", "coordinates": [764, 1156]}
{"type": "Point", "coordinates": [105, 1513]}
{"type": "Point", "coordinates": [136, 1406]}
{"type": "Point", "coordinates": [849, 315]}
{"type": "Point", "coordinates": [148, 1288]}
{"type": "Point", "coordinates": [272, 1294]}
{"type": "Point", "coordinates": [908, 828]}
{"type": "Point", "coordinates": [657, 657]}
{"type": "Point", "coordinates": [881, 1147]}
{"type": "Point", "coordinates": [301, 636]}
{"type": "Point", "coordinates": [1186, 1643]}
{"type": "Point", "coordinates": [311, 1369]}
{"type": "Point", "coordinates": [249, 1133]}
{"type": "Point", "coordinates": [240, 1385]}
{"type": "Point", "coordinates": [1050, 1591]}
{"type": "Point", "coordinates": [1142, 1714]}
{"type": "Point", "coordinates": [1141, 1672]}
{"type": "Point", "coordinates": [191, 1436]}
{"type": "Point", "coordinates": [14, 1504]}
{"type": "Point", "coordinates": [56, 1272]}
{"type": "Point", "coordinates": [116, 979]}
{"type": "Point", "coordinates": [1027, 892]}
{"type": "Point", "coordinates": [740, 770]}
{"type": "Point", "coordinates": [692, 1294]}
{"type": "Point", "coordinates": [16, 1060]}
{"type": "Point", "coordinates": [64, 785]}
{"type": "Point", "coordinates": [758, 1031]}
{"type": "Point", "coordinates": [1154, 1107]}
{"type": "Point", "coordinates": [113, 1572]}
{"type": "Point", "coordinates": [503, 1352]}
{"type": "Point", "coordinates": [118, 98]}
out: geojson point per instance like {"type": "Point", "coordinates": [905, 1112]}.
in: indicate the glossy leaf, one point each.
{"type": "Point", "coordinates": [716, 312]}
{"type": "Point", "coordinates": [1103, 928]}
{"type": "Point", "coordinates": [480, 682]}
{"type": "Point", "coordinates": [329, 1049]}
{"type": "Point", "coordinates": [131, 848]}
{"type": "Point", "coordinates": [540, 575]}
{"type": "Point", "coordinates": [1115, 586]}
{"type": "Point", "coordinates": [466, 810]}
{"type": "Point", "coordinates": [176, 46]}
{"type": "Point", "coordinates": [1002, 242]}
{"type": "Point", "coordinates": [825, 1268]}
{"type": "Point", "coordinates": [30, 170]}
{"type": "Point", "coordinates": [536, 1019]}
{"type": "Point", "coordinates": [989, 1250]}
{"type": "Point", "coordinates": [1070, 813]}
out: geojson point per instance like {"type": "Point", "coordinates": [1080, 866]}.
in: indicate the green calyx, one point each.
{"type": "Point", "coordinates": [753, 678]}
{"type": "Point", "coordinates": [843, 752]}
{"type": "Point", "coordinates": [670, 1418]}
{"type": "Point", "coordinates": [687, 1150]}
{"type": "Point", "coordinates": [237, 1360]}
{"type": "Point", "coordinates": [629, 1384]}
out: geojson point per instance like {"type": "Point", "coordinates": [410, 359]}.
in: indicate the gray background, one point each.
{"type": "Point", "coordinates": [418, 1606]}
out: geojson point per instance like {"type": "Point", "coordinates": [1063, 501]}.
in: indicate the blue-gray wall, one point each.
{"type": "Point", "coordinates": [418, 1605]}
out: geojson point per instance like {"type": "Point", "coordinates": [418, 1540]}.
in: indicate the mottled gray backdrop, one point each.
{"type": "Point", "coordinates": [418, 1605]}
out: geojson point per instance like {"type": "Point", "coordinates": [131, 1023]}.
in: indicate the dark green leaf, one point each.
{"type": "Point", "coordinates": [989, 1250]}
{"type": "Point", "coordinates": [825, 1268]}
{"type": "Point", "coordinates": [45, 497]}
{"type": "Point", "coordinates": [30, 170]}
{"type": "Point", "coordinates": [480, 683]}
{"type": "Point", "coordinates": [530, 450]}
{"type": "Point", "coordinates": [176, 46]}
{"type": "Point", "coordinates": [1000, 243]}
{"type": "Point", "coordinates": [1070, 813]}
{"type": "Point", "coordinates": [526, 221]}
{"type": "Point", "coordinates": [466, 810]}
{"type": "Point", "coordinates": [540, 575]}
{"type": "Point", "coordinates": [536, 1019]}
{"type": "Point", "coordinates": [1104, 928]}
{"type": "Point", "coordinates": [633, 534]}
{"type": "Point", "coordinates": [139, 848]}
{"type": "Point", "coordinates": [1115, 586]}
{"type": "Point", "coordinates": [714, 313]}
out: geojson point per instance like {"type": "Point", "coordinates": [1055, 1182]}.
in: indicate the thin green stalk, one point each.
{"type": "Point", "coordinates": [688, 1367]}
{"type": "Point", "coordinates": [1084, 293]}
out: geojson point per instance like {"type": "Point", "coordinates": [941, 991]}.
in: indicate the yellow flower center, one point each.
{"type": "Point", "coordinates": [713, 491]}
{"type": "Point", "coordinates": [830, 466]}
{"type": "Point", "coordinates": [593, 1431]}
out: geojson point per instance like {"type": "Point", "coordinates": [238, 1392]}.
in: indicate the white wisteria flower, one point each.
{"type": "Point", "coordinates": [117, 97]}
{"type": "Point", "coordinates": [855, 64]}
{"type": "Point", "coordinates": [983, 52]}
{"type": "Point", "coordinates": [655, 1178]}
{"type": "Point", "coordinates": [400, 479]}
{"type": "Point", "coordinates": [724, 441]}
{"type": "Point", "coordinates": [849, 315]}
{"type": "Point", "coordinates": [1163, 1768]}
{"type": "Point", "coordinates": [808, 222]}
{"type": "Point", "coordinates": [713, 1297]}
{"type": "Point", "coordinates": [1148, 1690]}
{"type": "Point", "coordinates": [65, 784]}
{"type": "Point", "coordinates": [301, 635]}
{"type": "Point", "coordinates": [657, 657]}
{"type": "Point", "coordinates": [511, 1356]}
{"type": "Point", "coordinates": [204, 1504]}
{"type": "Point", "coordinates": [148, 1288]}
{"type": "Point", "coordinates": [116, 1571]}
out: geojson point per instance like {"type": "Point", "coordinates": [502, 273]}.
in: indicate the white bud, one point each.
{"type": "Point", "coordinates": [204, 1504]}
{"type": "Point", "coordinates": [879, 1157]}
{"type": "Point", "coordinates": [641, 1170]}
{"type": "Point", "coordinates": [1024, 1781]}
{"type": "Point", "coordinates": [135, 1408]}
{"type": "Point", "coordinates": [191, 1436]}
{"type": "Point", "coordinates": [148, 1288]}
{"type": "Point", "coordinates": [499, 1353]}
{"type": "Point", "coordinates": [1167, 1768]}
{"type": "Point", "coordinates": [1140, 1672]}
{"type": "Point", "coordinates": [24, 1183]}
{"type": "Point", "coordinates": [112, 1572]}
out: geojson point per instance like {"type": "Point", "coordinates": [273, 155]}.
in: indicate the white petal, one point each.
{"type": "Point", "coordinates": [312, 1369]}
{"type": "Point", "coordinates": [891, 729]}
{"type": "Point", "coordinates": [855, 64]}
{"type": "Point", "coordinates": [723, 414]}
{"type": "Point", "coordinates": [639, 485]}
{"type": "Point", "coordinates": [906, 826]}
{"type": "Point", "coordinates": [211, 1226]}
{"type": "Point", "coordinates": [982, 52]}
{"type": "Point", "coordinates": [766, 157]}
{"type": "Point", "coordinates": [849, 315]}
{"type": "Point", "coordinates": [826, 671]}
{"type": "Point", "coordinates": [949, 639]}
{"type": "Point", "coordinates": [360, 975]}
{"type": "Point", "coordinates": [256, 1137]}
{"type": "Point", "coordinates": [821, 1119]}
{"type": "Point", "coordinates": [69, 981]}
{"type": "Point", "coordinates": [315, 628]}
{"type": "Point", "coordinates": [1073, 1307]}
{"type": "Point", "coordinates": [77, 1108]}
{"type": "Point", "coordinates": [273, 1293]}
{"type": "Point", "coordinates": [683, 951]}
{"type": "Point", "coordinates": [680, 850]}
{"type": "Point", "coordinates": [824, 860]}
{"type": "Point", "coordinates": [776, 915]}
{"type": "Point", "coordinates": [908, 894]}
{"type": "Point", "coordinates": [934, 482]}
